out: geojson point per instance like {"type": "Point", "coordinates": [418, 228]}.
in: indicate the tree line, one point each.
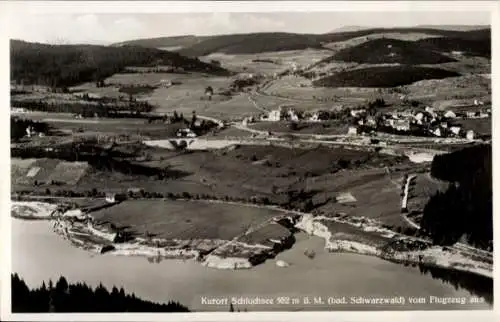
{"type": "Point", "coordinates": [79, 297]}
{"type": "Point", "coordinates": [87, 109]}
{"type": "Point", "coordinates": [465, 208]}
{"type": "Point", "coordinates": [18, 127]}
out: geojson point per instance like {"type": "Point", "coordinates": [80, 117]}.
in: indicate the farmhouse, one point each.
{"type": "Point", "coordinates": [115, 197]}
{"type": "Point", "coordinates": [355, 113]}
{"type": "Point", "coordinates": [273, 116]}
{"type": "Point", "coordinates": [470, 135]}
{"type": "Point", "coordinates": [352, 131]}
{"type": "Point", "coordinates": [455, 130]}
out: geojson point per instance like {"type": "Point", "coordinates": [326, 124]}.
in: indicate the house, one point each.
{"type": "Point", "coordinates": [470, 115]}
{"type": "Point", "coordinates": [293, 116]}
{"type": "Point", "coordinates": [186, 133]}
{"type": "Point", "coordinates": [355, 113]}
{"type": "Point", "coordinates": [436, 132]}
{"type": "Point", "coordinates": [419, 117]}
{"type": "Point", "coordinates": [314, 117]}
{"type": "Point", "coordinates": [401, 125]}
{"type": "Point", "coordinates": [450, 115]}
{"type": "Point", "coordinates": [455, 130]}
{"type": "Point", "coordinates": [352, 131]}
{"type": "Point", "coordinates": [115, 197]}
{"type": "Point", "coordinates": [470, 135]}
{"type": "Point", "coordinates": [274, 115]}
{"type": "Point", "coordinates": [370, 121]}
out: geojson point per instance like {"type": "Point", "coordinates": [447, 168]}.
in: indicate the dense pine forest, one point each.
{"type": "Point", "coordinates": [465, 209]}
{"type": "Point", "coordinates": [79, 297]}
{"type": "Point", "coordinates": [68, 65]}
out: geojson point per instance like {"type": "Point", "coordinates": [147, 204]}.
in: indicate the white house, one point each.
{"type": "Point", "coordinates": [436, 132]}
{"type": "Point", "coordinates": [274, 115]}
{"type": "Point", "coordinates": [355, 113]}
{"type": "Point", "coordinates": [470, 135]}
{"type": "Point", "coordinates": [292, 115]}
{"type": "Point", "coordinates": [450, 114]}
{"type": "Point", "coordinates": [455, 130]}
{"type": "Point", "coordinates": [419, 117]}
{"type": "Point", "coordinates": [314, 117]}
{"type": "Point", "coordinates": [352, 131]}
{"type": "Point", "coordinates": [110, 197]}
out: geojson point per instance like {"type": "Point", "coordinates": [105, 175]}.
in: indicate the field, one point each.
{"type": "Point", "coordinates": [29, 171]}
{"type": "Point", "coordinates": [268, 63]}
{"type": "Point", "coordinates": [329, 127]}
{"type": "Point", "coordinates": [185, 220]}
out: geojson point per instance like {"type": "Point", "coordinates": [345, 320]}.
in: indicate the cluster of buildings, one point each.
{"type": "Point", "coordinates": [428, 121]}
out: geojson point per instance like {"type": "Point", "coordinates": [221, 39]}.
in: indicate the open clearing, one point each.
{"type": "Point", "coordinates": [185, 220]}
{"type": "Point", "coordinates": [268, 63]}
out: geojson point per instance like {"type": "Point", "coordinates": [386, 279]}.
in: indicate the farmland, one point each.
{"type": "Point", "coordinates": [185, 220]}
{"type": "Point", "coordinates": [193, 192]}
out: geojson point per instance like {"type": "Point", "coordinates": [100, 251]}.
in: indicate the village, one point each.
{"type": "Point", "coordinates": [426, 121]}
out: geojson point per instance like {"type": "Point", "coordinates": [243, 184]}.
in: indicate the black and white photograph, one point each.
{"type": "Point", "coordinates": [258, 161]}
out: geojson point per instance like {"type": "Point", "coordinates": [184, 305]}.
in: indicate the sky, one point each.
{"type": "Point", "coordinates": [105, 28]}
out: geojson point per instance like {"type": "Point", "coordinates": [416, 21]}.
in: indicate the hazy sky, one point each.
{"type": "Point", "coordinates": [108, 28]}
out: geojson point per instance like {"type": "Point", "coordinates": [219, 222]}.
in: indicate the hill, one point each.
{"type": "Point", "coordinates": [252, 43]}
{"type": "Point", "coordinates": [455, 27]}
{"type": "Point", "coordinates": [388, 51]}
{"type": "Point", "coordinates": [164, 42]}
{"type": "Point", "coordinates": [67, 65]}
{"type": "Point", "coordinates": [474, 45]}
{"type": "Point", "coordinates": [387, 76]}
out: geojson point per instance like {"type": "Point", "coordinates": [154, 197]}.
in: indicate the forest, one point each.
{"type": "Point", "coordinates": [67, 65]}
{"type": "Point", "coordinates": [465, 208]}
{"type": "Point", "coordinates": [79, 297]}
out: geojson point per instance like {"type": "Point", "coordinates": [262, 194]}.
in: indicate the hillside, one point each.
{"type": "Point", "coordinates": [387, 76]}
{"type": "Point", "coordinates": [67, 65]}
{"type": "Point", "coordinates": [388, 51]}
{"type": "Point", "coordinates": [164, 42]}
{"type": "Point", "coordinates": [479, 46]}
{"type": "Point", "coordinates": [253, 43]}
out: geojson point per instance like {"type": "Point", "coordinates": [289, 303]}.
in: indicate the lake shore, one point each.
{"type": "Point", "coordinates": [83, 232]}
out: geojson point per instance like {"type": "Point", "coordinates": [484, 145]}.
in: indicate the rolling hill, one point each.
{"type": "Point", "coordinates": [388, 51]}
{"type": "Point", "coordinates": [164, 42]}
{"type": "Point", "coordinates": [382, 77]}
{"type": "Point", "coordinates": [67, 65]}
{"type": "Point", "coordinates": [252, 43]}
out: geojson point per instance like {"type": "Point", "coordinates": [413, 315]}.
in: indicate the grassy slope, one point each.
{"type": "Point", "coordinates": [382, 76]}
{"type": "Point", "coordinates": [66, 65]}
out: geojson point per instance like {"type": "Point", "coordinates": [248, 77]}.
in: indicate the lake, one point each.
{"type": "Point", "coordinates": [40, 254]}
